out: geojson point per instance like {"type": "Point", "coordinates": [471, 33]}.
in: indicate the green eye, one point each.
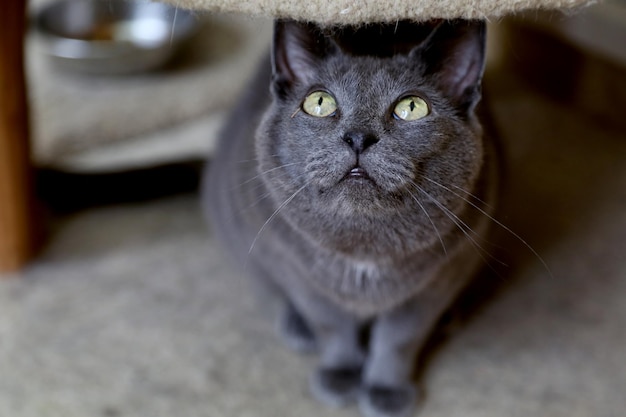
{"type": "Point", "coordinates": [319, 104]}
{"type": "Point", "coordinates": [411, 108]}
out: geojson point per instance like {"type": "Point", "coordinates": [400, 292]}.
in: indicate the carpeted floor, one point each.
{"type": "Point", "coordinates": [132, 311]}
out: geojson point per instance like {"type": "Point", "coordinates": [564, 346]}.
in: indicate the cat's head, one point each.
{"type": "Point", "coordinates": [369, 129]}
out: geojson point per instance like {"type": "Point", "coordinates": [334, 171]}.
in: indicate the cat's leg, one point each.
{"type": "Point", "coordinates": [295, 331]}
{"type": "Point", "coordinates": [396, 339]}
{"type": "Point", "coordinates": [337, 379]}
{"type": "Point", "coordinates": [291, 326]}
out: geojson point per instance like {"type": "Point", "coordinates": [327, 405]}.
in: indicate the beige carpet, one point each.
{"type": "Point", "coordinates": [132, 311]}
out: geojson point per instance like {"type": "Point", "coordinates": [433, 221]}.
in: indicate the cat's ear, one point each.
{"type": "Point", "coordinates": [454, 55]}
{"type": "Point", "coordinates": [296, 52]}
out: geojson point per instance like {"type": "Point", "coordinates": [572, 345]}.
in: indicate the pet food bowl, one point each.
{"type": "Point", "coordinates": [113, 36]}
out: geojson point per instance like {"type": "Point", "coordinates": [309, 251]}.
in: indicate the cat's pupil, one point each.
{"type": "Point", "coordinates": [319, 104]}
{"type": "Point", "coordinates": [412, 105]}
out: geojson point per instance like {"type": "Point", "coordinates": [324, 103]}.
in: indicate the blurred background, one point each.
{"type": "Point", "coordinates": [130, 309]}
{"type": "Point", "coordinates": [94, 113]}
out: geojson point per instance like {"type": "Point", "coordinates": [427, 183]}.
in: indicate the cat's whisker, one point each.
{"type": "Point", "coordinates": [503, 226]}
{"type": "Point", "coordinates": [485, 204]}
{"type": "Point", "coordinates": [424, 175]}
{"type": "Point", "coordinates": [264, 173]}
{"type": "Point", "coordinates": [241, 210]}
{"type": "Point", "coordinates": [255, 160]}
{"type": "Point", "coordinates": [461, 225]}
{"type": "Point", "coordinates": [443, 246]}
{"type": "Point", "coordinates": [256, 202]}
{"type": "Point", "coordinates": [273, 216]}
{"type": "Point", "coordinates": [265, 195]}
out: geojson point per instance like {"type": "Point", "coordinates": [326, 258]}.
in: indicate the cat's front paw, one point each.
{"type": "Point", "coordinates": [336, 387]}
{"type": "Point", "coordinates": [382, 401]}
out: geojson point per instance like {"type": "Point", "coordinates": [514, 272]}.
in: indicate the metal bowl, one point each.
{"type": "Point", "coordinates": [113, 36]}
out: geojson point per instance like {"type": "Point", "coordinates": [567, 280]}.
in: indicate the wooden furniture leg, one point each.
{"type": "Point", "coordinates": [16, 219]}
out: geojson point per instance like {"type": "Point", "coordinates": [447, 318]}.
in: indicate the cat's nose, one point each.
{"type": "Point", "coordinates": [359, 141]}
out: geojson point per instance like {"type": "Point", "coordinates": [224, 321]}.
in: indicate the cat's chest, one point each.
{"type": "Point", "coordinates": [363, 270]}
{"type": "Point", "coordinates": [367, 287]}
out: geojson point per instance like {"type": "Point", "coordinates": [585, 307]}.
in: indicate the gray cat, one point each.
{"type": "Point", "coordinates": [358, 186]}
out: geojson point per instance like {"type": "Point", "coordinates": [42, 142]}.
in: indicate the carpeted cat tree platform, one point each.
{"type": "Point", "coordinates": [368, 11]}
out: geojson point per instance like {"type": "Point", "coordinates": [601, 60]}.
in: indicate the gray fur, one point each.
{"type": "Point", "coordinates": [393, 252]}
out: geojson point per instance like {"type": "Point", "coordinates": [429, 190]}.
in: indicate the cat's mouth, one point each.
{"type": "Point", "coordinates": [357, 173]}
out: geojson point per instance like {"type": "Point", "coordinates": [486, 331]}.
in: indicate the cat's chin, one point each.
{"type": "Point", "coordinates": [357, 185]}
{"type": "Point", "coordinates": [354, 194]}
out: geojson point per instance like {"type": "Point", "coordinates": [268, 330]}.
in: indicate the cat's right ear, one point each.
{"type": "Point", "coordinates": [454, 55]}
{"type": "Point", "coordinates": [296, 52]}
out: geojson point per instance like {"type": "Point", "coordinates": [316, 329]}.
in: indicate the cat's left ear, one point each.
{"type": "Point", "coordinates": [454, 55]}
{"type": "Point", "coordinates": [296, 52]}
